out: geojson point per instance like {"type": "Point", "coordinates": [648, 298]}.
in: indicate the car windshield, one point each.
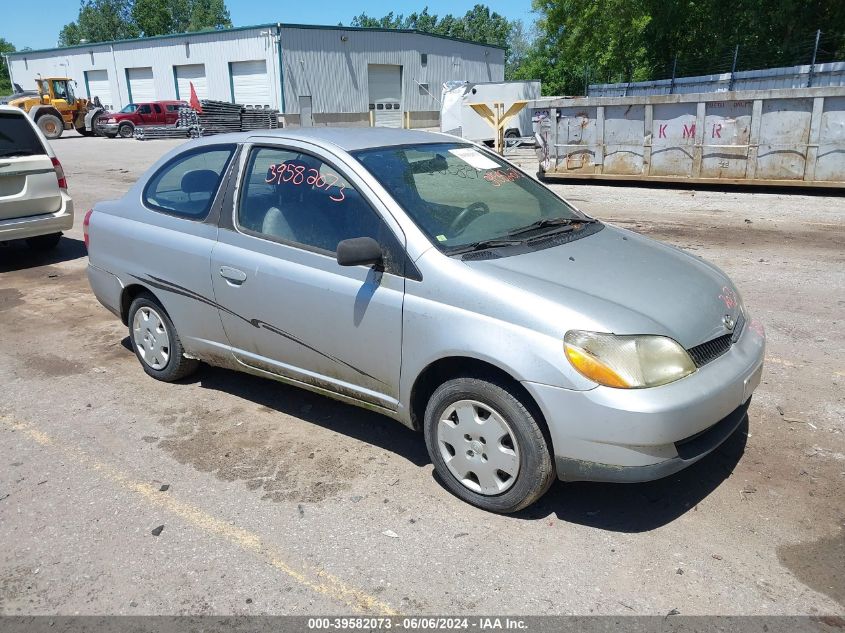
{"type": "Point", "coordinates": [130, 108]}
{"type": "Point", "coordinates": [460, 195]}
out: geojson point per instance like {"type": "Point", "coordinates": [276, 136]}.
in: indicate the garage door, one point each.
{"type": "Point", "coordinates": [99, 86]}
{"type": "Point", "coordinates": [141, 86]}
{"type": "Point", "coordinates": [188, 74]}
{"type": "Point", "coordinates": [250, 83]}
{"type": "Point", "coordinates": [385, 87]}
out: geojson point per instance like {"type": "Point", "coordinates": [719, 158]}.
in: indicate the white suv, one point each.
{"type": "Point", "coordinates": [34, 201]}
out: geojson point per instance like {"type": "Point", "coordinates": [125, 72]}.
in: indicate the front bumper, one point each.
{"type": "Point", "coordinates": [628, 435]}
{"type": "Point", "coordinates": [42, 224]}
{"type": "Point", "coordinates": [107, 128]}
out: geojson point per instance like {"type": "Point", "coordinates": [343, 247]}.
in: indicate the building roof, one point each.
{"type": "Point", "coordinates": [141, 40]}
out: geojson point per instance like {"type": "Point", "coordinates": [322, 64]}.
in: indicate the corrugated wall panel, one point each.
{"type": "Point", "coordinates": [333, 70]}
{"type": "Point", "coordinates": [317, 62]}
{"type": "Point", "coordinates": [214, 49]}
{"type": "Point", "coordinates": [828, 74]}
{"type": "Point", "coordinates": [794, 137]}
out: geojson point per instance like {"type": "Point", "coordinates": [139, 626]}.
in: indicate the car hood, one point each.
{"type": "Point", "coordinates": [619, 281]}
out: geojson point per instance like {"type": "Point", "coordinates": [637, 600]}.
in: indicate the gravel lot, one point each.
{"type": "Point", "coordinates": [284, 502]}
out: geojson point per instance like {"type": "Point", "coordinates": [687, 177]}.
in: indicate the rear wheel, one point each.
{"type": "Point", "coordinates": [126, 130]}
{"type": "Point", "coordinates": [51, 126]}
{"type": "Point", "coordinates": [156, 342]}
{"type": "Point", "coordinates": [487, 445]}
{"type": "Point", "coordinates": [44, 242]}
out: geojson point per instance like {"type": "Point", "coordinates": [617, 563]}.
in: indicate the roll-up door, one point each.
{"type": "Point", "coordinates": [99, 86]}
{"type": "Point", "coordinates": [385, 87]}
{"type": "Point", "coordinates": [188, 74]}
{"type": "Point", "coordinates": [141, 85]}
{"type": "Point", "coordinates": [250, 84]}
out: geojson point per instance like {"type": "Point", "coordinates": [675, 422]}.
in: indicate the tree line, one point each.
{"type": "Point", "coordinates": [105, 20]}
{"type": "Point", "coordinates": [569, 44]}
{"type": "Point", "coordinates": [576, 42]}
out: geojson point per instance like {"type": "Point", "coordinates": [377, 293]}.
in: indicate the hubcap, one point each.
{"type": "Point", "coordinates": [478, 446]}
{"type": "Point", "coordinates": [151, 339]}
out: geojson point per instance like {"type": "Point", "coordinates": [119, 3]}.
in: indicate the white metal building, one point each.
{"type": "Point", "coordinates": [320, 75]}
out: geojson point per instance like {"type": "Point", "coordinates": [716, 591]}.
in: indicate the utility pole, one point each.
{"type": "Point", "coordinates": [813, 63]}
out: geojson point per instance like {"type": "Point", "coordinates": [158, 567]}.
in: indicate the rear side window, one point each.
{"type": "Point", "coordinates": [17, 138]}
{"type": "Point", "coordinates": [186, 185]}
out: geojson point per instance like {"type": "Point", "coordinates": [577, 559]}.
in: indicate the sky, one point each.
{"type": "Point", "coordinates": [24, 25]}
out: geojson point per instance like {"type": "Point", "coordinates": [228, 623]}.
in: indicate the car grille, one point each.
{"type": "Point", "coordinates": [712, 349]}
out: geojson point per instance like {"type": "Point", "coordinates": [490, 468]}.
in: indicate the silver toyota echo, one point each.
{"type": "Point", "coordinates": [428, 279]}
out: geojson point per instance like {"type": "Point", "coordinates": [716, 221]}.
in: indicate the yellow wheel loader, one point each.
{"type": "Point", "coordinates": [55, 108]}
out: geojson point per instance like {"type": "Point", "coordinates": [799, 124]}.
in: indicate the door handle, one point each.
{"type": "Point", "coordinates": [233, 275]}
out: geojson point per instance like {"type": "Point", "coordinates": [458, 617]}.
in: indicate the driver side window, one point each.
{"type": "Point", "coordinates": [296, 198]}
{"type": "Point", "coordinates": [144, 109]}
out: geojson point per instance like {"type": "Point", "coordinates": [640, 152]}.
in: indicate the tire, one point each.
{"type": "Point", "coordinates": [520, 449]}
{"type": "Point", "coordinates": [125, 130]}
{"type": "Point", "coordinates": [51, 126]}
{"type": "Point", "coordinates": [512, 133]}
{"type": "Point", "coordinates": [83, 132]}
{"type": "Point", "coordinates": [162, 357]}
{"type": "Point", "coordinates": [44, 242]}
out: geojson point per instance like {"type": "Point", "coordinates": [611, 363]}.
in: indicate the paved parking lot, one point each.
{"type": "Point", "coordinates": [275, 500]}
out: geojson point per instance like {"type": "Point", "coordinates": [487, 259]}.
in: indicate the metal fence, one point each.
{"type": "Point", "coordinates": [818, 62]}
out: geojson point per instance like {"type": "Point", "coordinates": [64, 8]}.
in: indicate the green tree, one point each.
{"type": "Point", "coordinates": [208, 14]}
{"type": "Point", "coordinates": [582, 41]}
{"type": "Point", "coordinates": [100, 21]}
{"type": "Point", "coordinates": [5, 83]}
{"type": "Point", "coordinates": [104, 20]}
{"type": "Point", "coordinates": [479, 24]}
{"type": "Point", "coordinates": [69, 35]}
{"type": "Point", "coordinates": [154, 17]}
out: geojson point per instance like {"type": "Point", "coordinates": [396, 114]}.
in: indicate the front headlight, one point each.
{"type": "Point", "coordinates": [627, 362]}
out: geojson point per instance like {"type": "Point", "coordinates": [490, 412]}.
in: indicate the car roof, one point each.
{"type": "Point", "coordinates": [8, 108]}
{"type": "Point", "coordinates": [346, 138]}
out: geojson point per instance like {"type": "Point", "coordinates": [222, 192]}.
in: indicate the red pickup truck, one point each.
{"type": "Point", "coordinates": [123, 123]}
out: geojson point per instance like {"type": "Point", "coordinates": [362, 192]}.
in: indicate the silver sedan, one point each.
{"type": "Point", "coordinates": [430, 280]}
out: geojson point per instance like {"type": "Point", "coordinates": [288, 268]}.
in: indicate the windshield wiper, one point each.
{"type": "Point", "coordinates": [547, 222]}
{"type": "Point", "coordinates": [484, 245]}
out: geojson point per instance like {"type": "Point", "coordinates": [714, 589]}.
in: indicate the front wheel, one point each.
{"type": "Point", "coordinates": [51, 126]}
{"type": "Point", "coordinates": [156, 342]}
{"type": "Point", "coordinates": [486, 445]}
{"type": "Point", "coordinates": [126, 130]}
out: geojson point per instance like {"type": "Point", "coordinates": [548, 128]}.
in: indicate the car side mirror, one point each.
{"type": "Point", "coordinates": [359, 251]}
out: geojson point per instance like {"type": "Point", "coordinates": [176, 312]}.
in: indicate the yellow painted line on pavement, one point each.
{"type": "Point", "coordinates": [713, 215]}
{"type": "Point", "coordinates": [788, 363]}
{"type": "Point", "coordinates": [315, 579]}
